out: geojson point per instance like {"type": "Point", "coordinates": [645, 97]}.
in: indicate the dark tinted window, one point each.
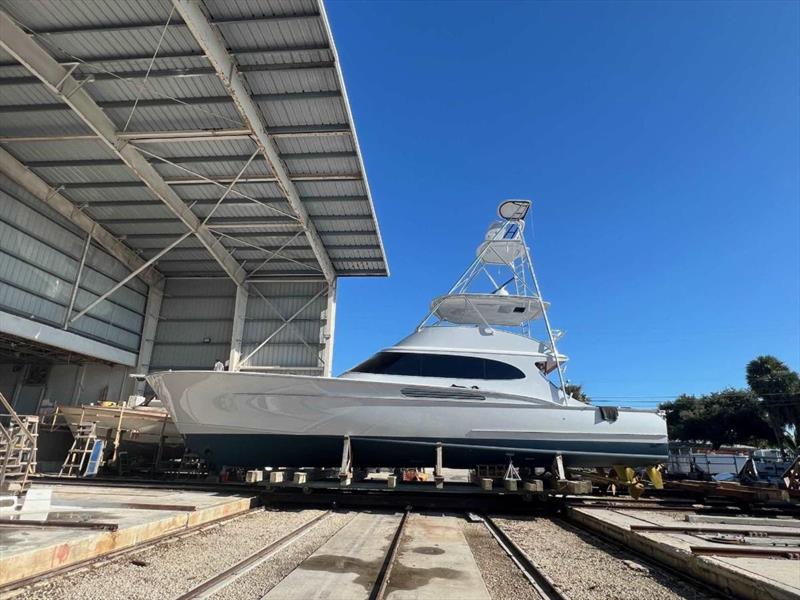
{"type": "Point", "coordinates": [438, 365]}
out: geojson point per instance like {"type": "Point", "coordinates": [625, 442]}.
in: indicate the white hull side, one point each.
{"type": "Point", "coordinates": [214, 405]}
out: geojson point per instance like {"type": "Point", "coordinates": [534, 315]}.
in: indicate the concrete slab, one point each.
{"type": "Point", "coordinates": [746, 577]}
{"type": "Point", "coordinates": [434, 562]}
{"type": "Point", "coordinates": [346, 566]}
{"type": "Point", "coordinates": [30, 551]}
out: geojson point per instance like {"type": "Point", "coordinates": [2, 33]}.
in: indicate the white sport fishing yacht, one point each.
{"type": "Point", "coordinates": [471, 377]}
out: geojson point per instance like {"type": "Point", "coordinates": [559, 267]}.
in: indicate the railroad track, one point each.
{"type": "Point", "coordinates": [544, 586]}
{"type": "Point", "coordinates": [103, 558]}
{"type": "Point", "coordinates": [244, 566]}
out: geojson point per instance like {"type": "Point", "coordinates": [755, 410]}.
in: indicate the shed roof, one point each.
{"type": "Point", "coordinates": [149, 73]}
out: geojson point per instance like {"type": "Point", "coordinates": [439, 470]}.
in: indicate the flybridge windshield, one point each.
{"type": "Point", "coordinates": [437, 365]}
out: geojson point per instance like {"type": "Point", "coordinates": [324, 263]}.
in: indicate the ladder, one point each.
{"type": "Point", "coordinates": [18, 445]}
{"type": "Point", "coordinates": [82, 446]}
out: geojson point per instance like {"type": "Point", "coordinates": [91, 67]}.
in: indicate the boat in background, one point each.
{"type": "Point", "coordinates": [141, 428]}
{"type": "Point", "coordinates": [471, 377]}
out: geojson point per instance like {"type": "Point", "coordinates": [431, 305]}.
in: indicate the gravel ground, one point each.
{"type": "Point", "coordinates": [263, 578]}
{"type": "Point", "coordinates": [501, 576]}
{"type": "Point", "coordinates": [586, 569]}
{"type": "Point", "coordinates": [174, 567]}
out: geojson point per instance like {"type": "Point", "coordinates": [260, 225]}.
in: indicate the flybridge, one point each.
{"type": "Point", "coordinates": [500, 288]}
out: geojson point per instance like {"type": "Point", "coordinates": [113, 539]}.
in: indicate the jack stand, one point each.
{"type": "Point", "coordinates": [791, 478]}
{"type": "Point", "coordinates": [346, 470]}
{"type": "Point", "coordinates": [558, 467]}
{"type": "Point", "coordinates": [438, 478]}
{"type": "Point", "coordinates": [749, 472]}
{"type": "Point", "coordinates": [512, 475]}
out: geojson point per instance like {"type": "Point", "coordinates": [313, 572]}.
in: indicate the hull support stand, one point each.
{"type": "Point", "coordinates": [346, 470]}
{"type": "Point", "coordinates": [558, 467]}
{"type": "Point", "coordinates": [438, 477]}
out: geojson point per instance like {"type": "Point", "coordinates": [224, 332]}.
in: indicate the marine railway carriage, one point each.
{"type": "Point", "coordinates": [472, 377]}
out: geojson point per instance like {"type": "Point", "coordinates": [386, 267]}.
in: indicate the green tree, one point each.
{"type": "Point", "coordinates": [778, 387]}
{"type": "Point", "coordinates": [728, 417]}
{"type": "Point", "coordinates": [576, 391]}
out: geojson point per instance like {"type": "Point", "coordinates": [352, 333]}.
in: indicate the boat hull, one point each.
{"type": "Point", "coordinates": [257, 420]}
{"type": "Point", "coordinates": [142, 430]}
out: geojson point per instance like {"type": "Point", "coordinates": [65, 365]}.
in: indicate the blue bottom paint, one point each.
{"type": "Point", "coordinates": [260, 450]}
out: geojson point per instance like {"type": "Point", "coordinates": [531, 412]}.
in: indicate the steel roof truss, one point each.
{"type": "Point", "coordinates": [211, 41]}
{"type": "Point", "coordinates": [39, 62]}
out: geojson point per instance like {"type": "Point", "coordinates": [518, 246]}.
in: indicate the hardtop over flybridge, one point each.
{"type": "Point", "coordinates": [472, 377]}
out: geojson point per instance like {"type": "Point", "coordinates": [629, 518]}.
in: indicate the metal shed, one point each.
{"type": "Point", "coordinates": [180, 182]}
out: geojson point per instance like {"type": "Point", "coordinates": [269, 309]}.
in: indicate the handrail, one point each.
{"type": "Point", "coordinates": [15, 417]}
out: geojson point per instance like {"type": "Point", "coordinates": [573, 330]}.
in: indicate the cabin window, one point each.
{"type": "Point", "coordinates": [438, 365]}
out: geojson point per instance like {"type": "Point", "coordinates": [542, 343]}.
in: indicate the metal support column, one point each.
{"type": "Point", "coordinates": [239, 317]}
{"type": "Point", "coordinates": [328, 331]}
{"type": "Point", "coordinates": [155, 295]}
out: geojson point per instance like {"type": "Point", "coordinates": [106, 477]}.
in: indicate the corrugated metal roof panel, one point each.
{"type": "Point", "coordinates": [328, 143]}
{"type": "Point", "coordinates": [103, 30]}
{"type": "Point", "coordinates": [258, 35]}
{"type": "Point", "coordinates": [313, 111]}
{"type": "Point", "coordinates": [292, 81]}
{"type": "Point", "coordinates": [177, 117]}
{"type": "Point", "coordinates": [243, 9]}
{"type": "Point", "coordinates": [65, 150]}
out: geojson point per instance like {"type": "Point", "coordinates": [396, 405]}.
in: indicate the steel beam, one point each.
{"type": "Point", "coordinates": [212, 43]}
{"type": "Point", "coordinates": [186, 136]}
{"type": "Point", "coordinates": [119, 284]}
{"type": "Point", "coordinates": [328, 331]}
{"type": "Point", "coordinates": [162, 102]}
{"type": "Point", "coordinates": [155, 295]}
{"type": "Point", "coordinates": [159, 23]}
{"type": "Point", "coordinates": [58, 80]}
{"type": "Point", "coordinates": [97, 185]}
{"type": "Point", "coordinates": [102, 59]}
{"type": "Point", "coordinates": [110, 162]}
{"type": "Point", "coordinates": [169, 73]}
{"type": "Point", "coordinates": [237, 201]}
{"type": "Point", "coordinates": [37, 187]}
{"type": "Point", "coordinates": [76, 284]}
{"type": "Point", "coordinates": [66, 340]}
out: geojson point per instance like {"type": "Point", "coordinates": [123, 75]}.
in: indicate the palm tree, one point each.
{"type": "Point", "coordinates": [778, 387]}
{"type": "Point", "coordinates": [575, 390]}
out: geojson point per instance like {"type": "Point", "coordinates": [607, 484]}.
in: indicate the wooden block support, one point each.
{"type": "Point", "coordinates": [486, 484]}
{"type": "Point", "coordinates": [300, 478]}
{"type": "Point", "coordinates": [537, 485]}
{"type": "Point", "coordinates": [391, 481]}
{"type": "Point", "coordinates": [254, 476]}
{"type": "Point", "coordinates": [276, 476]}
{"type": "Point", "coordinates": [510, 485]}
{"type": "Point", "coordinates": [580, 486]}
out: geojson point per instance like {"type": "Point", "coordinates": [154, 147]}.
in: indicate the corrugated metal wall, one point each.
{"type": "Point", "coordinates": [297, 346]}
{"type": "Point", "coordinates": [196, 322]}
{"type": "Point", "coordinates": [39, 257]}
{"type": "Point", "coordinates": [194, 310]}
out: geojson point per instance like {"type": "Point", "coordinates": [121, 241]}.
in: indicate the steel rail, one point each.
{"type": "Point", "coordinates": [379, 587]}
{"type": "Point", "coordinates": [228, 576]}
{"type": "Point", "coordinates": [650, 562]}
{"type": "Point", "coordinates": [543, 585]}
{"type": "Point", "coordinates": [173, 535]}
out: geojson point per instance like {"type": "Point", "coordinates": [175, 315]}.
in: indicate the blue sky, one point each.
{"type": "Point", "coordinates": [660, 143]}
